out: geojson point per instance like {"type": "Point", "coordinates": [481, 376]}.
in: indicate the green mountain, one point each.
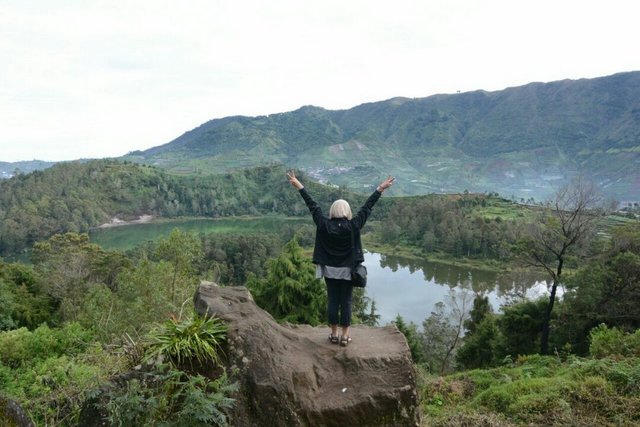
{"type": "Point", "coordinates": [78, 196]}
{"type": "Point", "coordinates": [9, 169]}
{"type": "Point", "coordinates": [522, 141]}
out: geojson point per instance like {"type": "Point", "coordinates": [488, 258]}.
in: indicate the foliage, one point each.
{"type": "Point", "coordinates": [520, 326]}
{"type": "Point", "coordinates": [48, 370]}
{"type": "Point", "coordinates": [77, 196]}
{"type": "Point", "coordinates": [481, 309]}
{"type": "Point", "coordinates": [290, 292]}
{"type": "Point", "coordinates": [22, 298]}
{"type": "Point", "coordinates": [538, 390]}
{"type": "Point", "coordinates": [442, 336]}
{"type": "Point", "coordinates": [563, 231]}
{"type": "Point", "coordinates": [195, 339]}
{"type": "Point", "coordinates": [70, 266]}
{"type": "Point", "coordinates": [21, 346]}
{"type": "Point", "coordinates": [603, 290]}
{"type": "Point", "coordinates": [412, 336]}
{"type": "Point", "coordinates": [482, 348]}
{"type": "Point", "coordinates": [183, 251]}
{"type": "Point", "coordinates": [370, 319]}
{"type": "Point", "coordinates": [607, 342]}
{"type": "Point", "coordinates": [166, 396]}
{"type": "Point", "coordinates": [142, 298]}
{"type": "Point", "coordinates": [453, 225]}
{"type": "Point", "coordinates": [235, 256]}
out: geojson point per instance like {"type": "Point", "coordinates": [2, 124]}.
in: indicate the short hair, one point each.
{"type": "Point", "coordinates": [340, 209]}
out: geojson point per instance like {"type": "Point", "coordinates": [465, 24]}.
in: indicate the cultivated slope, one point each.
{"type": "Point", "coordinates": [522, 141]}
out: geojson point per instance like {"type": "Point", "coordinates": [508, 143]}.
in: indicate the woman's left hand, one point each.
{"type": "Point", "coordinates": [294, 181]}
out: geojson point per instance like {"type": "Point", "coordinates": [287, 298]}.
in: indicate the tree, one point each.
{"type": "Point", "coordinates": [604, 290]}
{"type": "Point", "coordinates": [291, 292]}
{"type": "Point", "coordinates": [482, 348]}
{"type": "Point", "coordinates": [65, 262]}
{"type": "Point", "coordinates": [183, 251]}
{"type": "Point", "coordinates": [459, 304]}
{"type": "Point", "coordinates": [23, 301]}
{"type": "Point", "coordinates": [412, 336]}
{"type": "Point", "coordinates": [563, 229]}
{"type": "Point", "coordinates": [520, 326]}
{"type": "Point", "coordinates": [481, 308]}
{"type": "Point", "coordinates": [443, 329]}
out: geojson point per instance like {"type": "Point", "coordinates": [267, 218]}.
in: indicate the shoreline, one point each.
{"type": "Point", "coordinates": [117, 222]}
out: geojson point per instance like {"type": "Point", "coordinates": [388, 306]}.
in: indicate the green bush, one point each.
{"type": "Point", "coordinates": [624, 374]}
{"type": "Point", "coordinates": [539, 408]}
{"type": "Point", "coordinates": [170, 397]}
{"type": "Point", "coordinates": [21, 346]}
{"type": "Point", "coordinates": [51, 390]}
{"type": "Point", "coordinates": [194, 339]}
{"type": "Point", "coordinates": [607, 341]}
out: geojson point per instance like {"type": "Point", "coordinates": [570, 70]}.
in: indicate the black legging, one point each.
{"type": "Point", "coordinates": [340, 295]}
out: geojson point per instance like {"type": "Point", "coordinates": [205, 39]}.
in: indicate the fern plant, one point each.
{"type": "Point", "coordinates": [198, 338]}
{"type": "Point", "coordinates": [170, 397]}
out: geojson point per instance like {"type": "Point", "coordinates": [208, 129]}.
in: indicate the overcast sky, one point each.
{"type": "Point", "coordinates": [87, 79]}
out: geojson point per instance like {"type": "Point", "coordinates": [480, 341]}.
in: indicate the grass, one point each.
{"type": "Point", "coordinates": [537, 390]}
{"type": "Point", "coordinates": [198, 339]}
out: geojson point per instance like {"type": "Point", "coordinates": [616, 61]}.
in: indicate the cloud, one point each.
{"type": "Point", "coordinates": [99, 78]}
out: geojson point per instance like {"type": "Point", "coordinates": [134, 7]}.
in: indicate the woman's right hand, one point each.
{"type": "Point", "coordinates": [291, 175]}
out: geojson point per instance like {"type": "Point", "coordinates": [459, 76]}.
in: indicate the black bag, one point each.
{"type": "Point", "coordinates": [359, 276]}
{"type": "Point", "coordinates": [358, 271]}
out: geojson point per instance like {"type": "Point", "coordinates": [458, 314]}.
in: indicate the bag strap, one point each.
{"type": "Point", "coordinates": [353, 250]}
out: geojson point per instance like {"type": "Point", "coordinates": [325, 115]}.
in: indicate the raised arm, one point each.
{"type": "Point", "coordinates": [291, 176]}
{"type": "Point", "coordinates": [313, 206]}
{"type": "Point", "coordinates": [365, 210]}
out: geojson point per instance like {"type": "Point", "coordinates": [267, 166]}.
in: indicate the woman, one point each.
{"type": "Point", "coordinates": [337, 249]}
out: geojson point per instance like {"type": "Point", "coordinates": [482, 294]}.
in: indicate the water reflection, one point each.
{"type": "Point", "coordinates": [412, 287]}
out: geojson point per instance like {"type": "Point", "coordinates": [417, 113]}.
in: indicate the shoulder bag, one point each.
{"type": "Point", "coordinates": [358, 271]}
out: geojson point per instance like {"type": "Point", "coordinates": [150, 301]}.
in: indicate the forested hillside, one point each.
{"type": "Point", "coordinates": [8, 169]}
{"type": "Point", "coordinates": [522, 141]}
{"type": "Point", "coordinates": [74, 197]}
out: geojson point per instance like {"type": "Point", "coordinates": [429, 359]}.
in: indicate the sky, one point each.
{"type": "Point", "coordinates": [93, 79]}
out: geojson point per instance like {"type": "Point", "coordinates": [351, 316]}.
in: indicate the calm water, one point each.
{"type": "Point", "coordinates": [411, 288]}
{"type": "Point", "coordinates": [128, 236]}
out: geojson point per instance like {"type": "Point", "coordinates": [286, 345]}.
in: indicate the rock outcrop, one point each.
{"type": "Point", "coordinates": [12, 415]}
{"type": "Point", "coordinates": [291, 375]}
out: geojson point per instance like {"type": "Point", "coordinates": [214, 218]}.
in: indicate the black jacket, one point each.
{"type": "Point", "coordinates": [333, 236]}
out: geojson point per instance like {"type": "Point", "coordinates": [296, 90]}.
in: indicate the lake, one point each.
{"type": "Point", "coordinates": [128, 236]}
{"type": "Point", "coordinates": [412, 287]}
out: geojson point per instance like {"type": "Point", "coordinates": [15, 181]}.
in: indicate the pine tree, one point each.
{"type": "Point", "coordinates": [291, 292]}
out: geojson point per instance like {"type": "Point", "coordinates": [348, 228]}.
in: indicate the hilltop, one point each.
{"type": "Point", "coordinates": [522, 141]}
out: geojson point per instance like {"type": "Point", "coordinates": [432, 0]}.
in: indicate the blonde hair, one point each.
{"type": "Point", "coordinates": [340, 209]}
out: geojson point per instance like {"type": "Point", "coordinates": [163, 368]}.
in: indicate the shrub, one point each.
{"type": "Point", "coordinates": [21, 346]}
{"type": "Point", "coordinates": [170, 397]}
{"type": "Point", "coordinates": [194, 339]}
{"type": "Point", "coordinates": [609, 342]}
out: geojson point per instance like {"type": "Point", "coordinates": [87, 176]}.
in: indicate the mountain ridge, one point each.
{"type": "Point", "coordinates": [523, 140]}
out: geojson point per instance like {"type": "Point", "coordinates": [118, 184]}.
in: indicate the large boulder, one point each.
{"type": "Point", "coordinates": [12, 414]}
{"type": "Point", "coordinates": [291, 375]}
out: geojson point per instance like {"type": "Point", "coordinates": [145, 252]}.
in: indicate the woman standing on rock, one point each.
{"type": "Point", "coordinates": [337, 243]}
